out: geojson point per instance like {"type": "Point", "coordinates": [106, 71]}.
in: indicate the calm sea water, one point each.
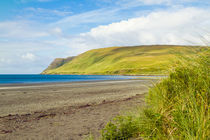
{"type": "Point", "coordinates": [36, 78]}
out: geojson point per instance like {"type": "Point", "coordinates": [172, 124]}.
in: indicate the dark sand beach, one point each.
{"type": "Point", "coordinates": [67, 111]}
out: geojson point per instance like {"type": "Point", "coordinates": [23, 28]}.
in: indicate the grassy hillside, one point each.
{"type": "Point", "coordinates": [135, 60]}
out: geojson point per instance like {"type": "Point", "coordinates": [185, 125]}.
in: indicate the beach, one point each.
{"type": "Point", "coordinates": [64, 111]}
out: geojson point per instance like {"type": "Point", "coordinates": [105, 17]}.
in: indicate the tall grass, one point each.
{"type": "Point", "coordinates": [178, 106]}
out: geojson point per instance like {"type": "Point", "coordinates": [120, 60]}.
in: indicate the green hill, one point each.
{"type": "Point", "coordinates": [136, 60]}
{"type": "Point", "coordinates": [58, 62]}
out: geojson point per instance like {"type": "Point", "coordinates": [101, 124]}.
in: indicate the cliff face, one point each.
{"type": "Point", "coordinates": [58, 62]}
{"type": "Point", "coordinates": [136, 60]}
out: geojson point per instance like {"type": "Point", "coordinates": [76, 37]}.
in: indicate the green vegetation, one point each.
{"type": "Point", "coordinates": [137, 60]}
{"type": "Point", "coordinates": [177, 107]}
{"type": "Point", "coordinates": [58, 62]}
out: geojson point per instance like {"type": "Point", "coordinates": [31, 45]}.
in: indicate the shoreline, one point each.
{"type": "Point", "coordinates": [69, 82]}
{"type": "Point", "coordinates": [66, 110]}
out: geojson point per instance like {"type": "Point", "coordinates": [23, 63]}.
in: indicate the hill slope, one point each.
{"type": "Point", "coordinates": [136, 60]}
{"type": "Point", "coordinates": [58, 62]}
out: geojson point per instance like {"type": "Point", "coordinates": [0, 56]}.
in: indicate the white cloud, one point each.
{"type": "Point", "coordinates": [46, 12]}
{"type": "Point", "coordinates": [179, 27]}
{"type": "Point", "coordinates": [29, 56]}
{"type": "Point", "coordinates": [163, 27]}
{"type": "Point", "coordinates": [166, 3]}
{"type": "Point", "coordinates": [156, 2]}
{"type": "Point", "coordinates": [21, 29]}
{"type": "Point", "coordinates": [95, 16]}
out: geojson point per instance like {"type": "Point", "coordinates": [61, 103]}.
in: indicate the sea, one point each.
{"type": "Point", "coordinates": [38, 78]}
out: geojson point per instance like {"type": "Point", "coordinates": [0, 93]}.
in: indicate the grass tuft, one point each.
{"type": "Point", "coordinates": [177, 107]}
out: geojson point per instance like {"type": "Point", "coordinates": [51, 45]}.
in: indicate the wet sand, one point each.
{"type": "Point", "coordinates": [67, 111]}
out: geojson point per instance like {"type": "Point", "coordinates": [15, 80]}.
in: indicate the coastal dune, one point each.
{"type": "Point", "coordinates": [65, 110]}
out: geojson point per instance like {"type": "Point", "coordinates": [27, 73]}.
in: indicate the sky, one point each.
{"type": "Point", "coordinates": [35, 32]}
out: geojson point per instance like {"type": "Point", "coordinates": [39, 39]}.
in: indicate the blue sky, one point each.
{"type": "Point", "coordinates": [34, 32]}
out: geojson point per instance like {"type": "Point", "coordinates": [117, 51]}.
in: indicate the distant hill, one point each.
{"type": "Point", "coordinates": [58, 62]}
{"type": "Point", "coordinates": [136, 60]}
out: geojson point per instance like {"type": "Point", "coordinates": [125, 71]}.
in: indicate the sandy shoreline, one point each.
{"type": "Point", "coordinates": [65, 110]}
{"type": "Point", "coordinates": [18, 85]}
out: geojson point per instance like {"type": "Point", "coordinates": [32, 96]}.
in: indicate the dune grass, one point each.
{"type": "Point", "coordinates": [177, 107]}
{"type": "Point", "coordinates": [137, 60]}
